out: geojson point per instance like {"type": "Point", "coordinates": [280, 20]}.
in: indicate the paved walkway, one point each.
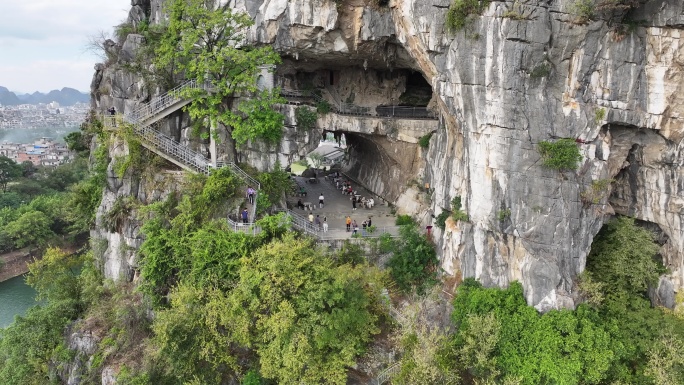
{"type": "Point", "coordinates": [337, 206]}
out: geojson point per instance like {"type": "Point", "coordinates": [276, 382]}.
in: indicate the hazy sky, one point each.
{"type": "Point", "coordinates": [43, 42]}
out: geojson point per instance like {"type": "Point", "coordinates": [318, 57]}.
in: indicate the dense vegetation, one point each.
{"type": "Point", "coordinates": [216, 306]}
{"type": "Point", "coordinates": [617, 337]}
{"type": "Point", "coordinates": [48, 205]}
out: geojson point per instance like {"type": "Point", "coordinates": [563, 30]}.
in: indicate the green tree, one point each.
{"type": "Point", "coordinates": [274, 186]}
{"type": "Point", "coordinates": [203, 42]}
{"type": "Point", "coordinates": [31, 228]}
{"type": "Point", "coordinates": [413, 261]}
{"type": "Point", "coordinates": [194, 337]}
{"type": "Point", "coordinates": [307, 319]}
{"type": "Point", "coordinates": [9, 170]}
{"type": "Point", "coordinates": [621, 266]}
{"type": "Point", "coordinates": [33, 343]}
{"type": "Point", "coordinates": [666, 360]}
{"type": "Point", "coordinates": [55, 276]}
{"type": "Point", "coordinates": [559, 347]}
{"type": "Point", "coordinates": [622, 257]}
{"type": "Point", "coordinates": [76, 141]}
{"type": "Point", "coordinates": [424, 359]}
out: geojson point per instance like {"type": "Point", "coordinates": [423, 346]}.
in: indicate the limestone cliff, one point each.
{"type": "Point", "coordinates": [520, 73]}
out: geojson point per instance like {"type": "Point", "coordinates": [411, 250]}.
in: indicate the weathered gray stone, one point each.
{"type": "Point", "coordinates": [501, 86]}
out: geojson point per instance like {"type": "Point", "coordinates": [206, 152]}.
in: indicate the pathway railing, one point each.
{"type": "Point", "coordinates": [300, 222]}
{"type": "Point", "coordinates": [162, 102]}
{"type": "Point", "coordinates": [401, 112]}
{"type": "Point", "coordinates": [405, 112]}
{"type": "Point", "coordinates": [247, 228]}
{"type": "Point", "coordinates": [387, 374]}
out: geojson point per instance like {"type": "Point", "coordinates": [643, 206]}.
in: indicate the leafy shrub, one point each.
{"type": "Point", "coordinates": [440, 220]}
{"type": "Point", "coordinates": [562, 154]}
{"type": "Point", "coordinates": [460, 10]}
{"type": "Point", "coordinates": [252, 378]}
{"type": "Point", "coordinates": [599, 114]}
{"type": "Point", "coordinates": [503, 214]}
{"type": "Point", "coordinates": [403, 220]}
{"type": "Point", "coordinates": [500, 339]}
{"type": "Point", "coordinates": [414, 261]}
{"type": "Point", "coordinates": [540, 71]}
{"type": "Point", "coordinates": [306, 118]}
{"type": "Point", "coordinates": [323, 107]}
{"type": "Point", "coordinates": [424, 140]}
{"type": "Point", "coordinates": [459, 215]}
{"type": "Point", "coordinates": [121, 209]}
{"type": "Point", "coordinates": [583, 9]}
{"type": "Point", "coordinates": [597, 191]}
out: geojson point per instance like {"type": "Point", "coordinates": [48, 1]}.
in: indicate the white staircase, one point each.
{"type": "Point", "coordinates": [145, 115]}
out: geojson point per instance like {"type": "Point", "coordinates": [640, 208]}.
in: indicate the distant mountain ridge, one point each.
{"type": "Point", "coordinates": [65, 97]}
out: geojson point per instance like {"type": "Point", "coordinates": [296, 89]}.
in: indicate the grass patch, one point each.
{"type": "Point", "coordinates": [562, 154]}
{"type": "Point", "coordinates": [460, 11]}
{"type": "Point", "coordinates": [424, 140]}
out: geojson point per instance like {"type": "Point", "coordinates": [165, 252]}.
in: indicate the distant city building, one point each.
{"type": "Point", "coordinates": [43, 152]}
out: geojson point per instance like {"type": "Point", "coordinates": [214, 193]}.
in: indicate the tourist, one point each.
{"type": "Point", "coordinates": [317, 222]}
{"type": "Point", "coordinates": [320, 200]}
{"type": "Point", "coordinates": [356, 227]}
{"type": "Point", "coordinates": [348, 221]}
{"type": "Point", "coordinates": [311, 218]}
{"type": "Point", "coordinates": [302, 191]}
{"type": "Point", "coordinates": [250, 195]}
{"type": "Point", "coordinates": [369, 222]}
{"type": "Point", "coordinates": [363, 227]}
{"type": "Point", "coordinates": [325, 224]}
{"type": "Point", "coordinates": [245, 216]}
{"type": "Point", "coordinates": [300, 205]}
{"type": "Point", "coordinates": [370, 203]}
{"type": "Point", "coordinates": [353, 203]}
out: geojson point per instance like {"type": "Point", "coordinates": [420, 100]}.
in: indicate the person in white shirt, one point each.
{"type": "Point", "coordinates": [320, 200]}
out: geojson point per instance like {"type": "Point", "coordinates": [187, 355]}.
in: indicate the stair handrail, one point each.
{"type": "Point", "coordinates": [234, 167]}
{"type": "Point", "coordinates": [300, 222]}
{"type": "Point", "coordinates": [173, 149]}
{"type": "Point", "coordinates": [388, 373]}
{"type": "Point", "coordinates": [163, 101]}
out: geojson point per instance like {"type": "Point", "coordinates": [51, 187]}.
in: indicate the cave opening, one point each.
{"type": "Point", "coordinates": [625, 258]}
{"type": "Point", "coordinates": [370, 91]}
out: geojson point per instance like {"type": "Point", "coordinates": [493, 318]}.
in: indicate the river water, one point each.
{"type": "Point", "coordinates": [15, 298]}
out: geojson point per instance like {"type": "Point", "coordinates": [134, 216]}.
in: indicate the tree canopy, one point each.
{"type": "Point", "coordinates": [205, 41]}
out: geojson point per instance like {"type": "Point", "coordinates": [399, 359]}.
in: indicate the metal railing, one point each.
{"type": "Point", "coordinates": [387, 374]}
{"type": "Point", "coordinates": [352, 109]}
{"type": "Point", "coordinates": [405, 112]}
{"type": "Point", "coordinates": [162, 102]}
{"type": "Point", "coordinates": [247, 228]}
{"type": "Point", "coordinates": [240, 172]}
{"type": "Point", "coordinates": [300, 222]}
{"type": "Point", "coordinates": [376, 233]}
{"type": "Point", "coordinates": [165, 145]}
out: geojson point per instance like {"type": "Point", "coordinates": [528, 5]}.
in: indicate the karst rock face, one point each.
{"type": "Point", "coordinates": [503, 85]}
{"type": "Point", "coordinates": [521, 73]}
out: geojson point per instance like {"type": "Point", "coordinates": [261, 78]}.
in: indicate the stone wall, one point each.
{"type": "Point", "coordinates": [504, 85]}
